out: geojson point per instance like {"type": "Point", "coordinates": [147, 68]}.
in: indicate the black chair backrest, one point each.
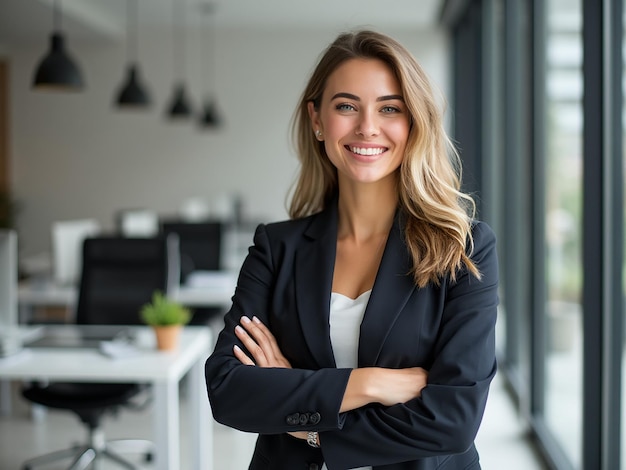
{"type": "Point", "coordinates": [200, 244]}
{"type": "Point", "coordinates": [119, 275]}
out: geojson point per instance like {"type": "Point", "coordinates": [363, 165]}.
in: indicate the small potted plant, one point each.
{"type": "Point", "coordinates": [167, 318]}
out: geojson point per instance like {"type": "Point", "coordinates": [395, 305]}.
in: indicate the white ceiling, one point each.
{"type": "Point", "coordinates": [28, 20]}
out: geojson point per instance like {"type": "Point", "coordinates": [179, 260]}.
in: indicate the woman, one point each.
{"type": "Point", "coordinates": [362, 330]}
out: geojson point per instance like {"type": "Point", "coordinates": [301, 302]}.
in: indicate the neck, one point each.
{"type": "Point", "coordinates": [366, 210]}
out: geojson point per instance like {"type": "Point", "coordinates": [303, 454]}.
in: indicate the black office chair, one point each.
{"type": "Point", "coordinates": [200, 250]}
{"type": "Point", "coordinates": [119, 275]}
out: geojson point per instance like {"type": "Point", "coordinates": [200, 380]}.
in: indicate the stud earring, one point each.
{"type": "Point", "coordinates": [318, 133]}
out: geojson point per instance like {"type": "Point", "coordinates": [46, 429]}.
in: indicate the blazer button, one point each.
{"type": "Point", "coordinates": [293, 419]}
{"type": "Point", "coordinates": [315, 418]}
{"type": "Point", "coordinates": [304, 418]}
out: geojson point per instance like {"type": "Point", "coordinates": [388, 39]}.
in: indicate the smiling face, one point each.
{"type": "Point", "coordinates": [363, 121]}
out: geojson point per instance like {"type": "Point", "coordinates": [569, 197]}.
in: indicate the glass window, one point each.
{"type": "Point", "coordinates": [623, 420]}
{"type": "Point", "coordinates": [563, 222]}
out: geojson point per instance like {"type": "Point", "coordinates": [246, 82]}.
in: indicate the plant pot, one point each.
{"type": "Point", "coordinates": [167, 337]}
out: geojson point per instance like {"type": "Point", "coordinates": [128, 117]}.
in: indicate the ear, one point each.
{"type": "Point", "coordinates": [314, 115]}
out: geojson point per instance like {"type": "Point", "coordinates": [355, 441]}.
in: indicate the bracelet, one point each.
{"type": "Point", "coordinates": [311, 439]}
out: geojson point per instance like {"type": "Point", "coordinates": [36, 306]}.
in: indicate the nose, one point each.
{"type": "Point", "coordinates": [368, 125]}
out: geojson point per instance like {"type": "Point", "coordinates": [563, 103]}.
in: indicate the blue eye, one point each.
{"type": "Point", "coordinates": [390, 109]}
{"type": "Point", "coordinates": [344, 107]}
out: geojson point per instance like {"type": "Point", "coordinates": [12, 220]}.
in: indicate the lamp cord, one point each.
{"type": "Point", "coordinates": [179, 46]}
{"type": "Point", "coordinates": [56, 15]}
{"type": "Point", "coordinates": [212, 48]}
{"type": "Point", "coordinates": [209, 62]}
{"type": "Point", "coordinates": [132, 36]}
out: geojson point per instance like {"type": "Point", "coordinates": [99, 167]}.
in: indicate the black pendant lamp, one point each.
{"type": "Point", "coordinates": [132, 93]}
{"type": "Point", "coordinates": [179, 107]}
{"type": "Point", "coordinates": [57, 70]}
{"type": "Point", "coordinates": [210, 116]}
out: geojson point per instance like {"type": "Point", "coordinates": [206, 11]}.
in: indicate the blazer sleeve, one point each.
{"type": "Point", "coordinates": [446, 418]}
{"type": "Point", "coordinates": [267, 400]}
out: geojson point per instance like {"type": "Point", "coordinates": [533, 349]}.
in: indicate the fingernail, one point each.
{"type": "Point", "coordinates": [245, 319]}
{"type": "Point", "coordinates": [236, 348]}
{"type": "Point", "coordinates": [239, 329]}
{"type": "Point", "coordinates": [256, 320]}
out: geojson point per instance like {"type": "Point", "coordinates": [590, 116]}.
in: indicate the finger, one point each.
{"type": "Point", "coordinates": [276, 354]}
{"type": "Point", "coordinates": [272, 355]}
{"type": "Point", "coordinates": [251, 345]}
{"type": "Point", "coordinates": [243, 357]}
{"type": "Point", "coordinates": [266, 332]}
{"type": "Point", "coordinates": [262, 336]}
{"type": "Point", "coordinates": [265, 336]}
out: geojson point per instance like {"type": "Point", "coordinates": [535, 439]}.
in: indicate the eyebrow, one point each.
{"type": "Point", "coordinates": [350, 96]}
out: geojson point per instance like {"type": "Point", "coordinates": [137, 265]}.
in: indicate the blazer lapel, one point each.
{"type": "Point", "coordinates": [314, 266]}
{"type": "Point", "coordinates": [392, 289]}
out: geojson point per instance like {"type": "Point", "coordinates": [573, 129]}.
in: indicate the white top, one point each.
{"type": "Point", "coordinates": [346, 315]}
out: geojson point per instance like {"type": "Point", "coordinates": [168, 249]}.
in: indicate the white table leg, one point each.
{"type": "Point", "coordinates": [200, 419]}
{"type": "Point", "coordinates": [5, 398]}
{"type": "Point", "coordinates": [166, 425]}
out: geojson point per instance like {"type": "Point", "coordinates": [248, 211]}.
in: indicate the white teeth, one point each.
{"type": "Point", "coordinates": [367, 151]}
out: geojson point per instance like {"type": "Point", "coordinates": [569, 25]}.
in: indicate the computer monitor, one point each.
{"type": "Point", "coordinates": [200, 245]}
{"type": "Point", "coordinates": [8, 279]}
{"type": "Point", "coordinates": [67, 246]}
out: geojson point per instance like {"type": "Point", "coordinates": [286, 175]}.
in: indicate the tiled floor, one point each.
{"type": "Point", "coordinates": [501, 440]}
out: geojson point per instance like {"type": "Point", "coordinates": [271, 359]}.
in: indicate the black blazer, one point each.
{"type": "Point", "coordinates": [286, 282]}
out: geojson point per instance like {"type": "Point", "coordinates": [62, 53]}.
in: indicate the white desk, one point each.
{"type": "Point", "coordinates": [45, 293]}
{"type": "Point", "coordinates": [163, 370]}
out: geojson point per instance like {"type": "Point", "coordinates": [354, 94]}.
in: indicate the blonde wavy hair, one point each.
{"type": "Point", "coordinates": [438, 216]}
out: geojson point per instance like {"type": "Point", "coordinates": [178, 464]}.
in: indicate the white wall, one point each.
{"type": "Point", "coordinates": [74, 155]}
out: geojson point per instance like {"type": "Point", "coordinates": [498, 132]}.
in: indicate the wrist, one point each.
{"type": "Point", "coordinates": [360, 390]}
{"type": "Point", "coordinates": [368, 380]}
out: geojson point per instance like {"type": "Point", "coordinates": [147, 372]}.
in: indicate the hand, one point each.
{"type": "Point", "coordinates": [381, 385]}
{"type": "Point", "coordinates": [298, 434]}
{"type": "Point", "coordinates": [392, 386]}
{"type": "Point", "coordinates": [261, 344]}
